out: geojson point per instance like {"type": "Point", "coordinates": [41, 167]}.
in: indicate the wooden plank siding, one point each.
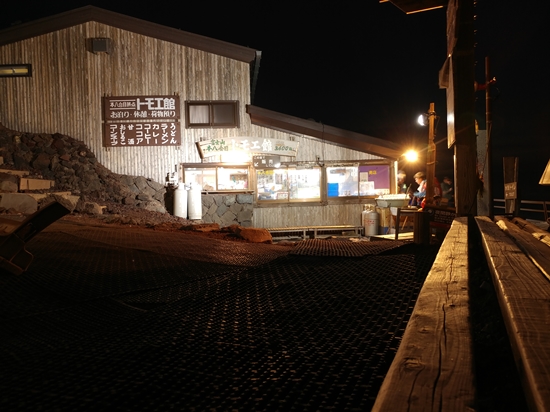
{"type": "Point", "coordinates": [64, 94]}
{"type": "Point", "coordinates": [296, 214]}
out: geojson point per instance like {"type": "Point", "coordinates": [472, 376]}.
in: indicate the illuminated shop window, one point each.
{"type": "Point", "coordinates": [218, 178]}
{"type": "Point", "coordinates": [358, 180]}
{"type": "Point", "coordinates": [289, 184]}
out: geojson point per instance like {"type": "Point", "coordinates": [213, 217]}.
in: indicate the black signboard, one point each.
{"type": "Point", "coordinates": [266, 161]}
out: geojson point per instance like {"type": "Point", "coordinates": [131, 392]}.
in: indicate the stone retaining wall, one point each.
{"type": "Point", "coordinates": [228, 209]}
{"type": "Point", "coordinates": [72, 167]}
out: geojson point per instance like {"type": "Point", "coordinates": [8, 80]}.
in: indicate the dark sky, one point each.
{"type": "Point", "coordinates": [370, 68]}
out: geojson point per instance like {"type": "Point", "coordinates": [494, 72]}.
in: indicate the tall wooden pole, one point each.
{"type": "Point", "coordinates": [430, 163]}
{"type": "Point", "coordinates": [488, 126]}
{"type": "Point", "coordinates": [463, 107]}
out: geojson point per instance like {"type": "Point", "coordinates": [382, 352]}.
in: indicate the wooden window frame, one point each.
{"type": "Point", "coordinates": [211, 122]}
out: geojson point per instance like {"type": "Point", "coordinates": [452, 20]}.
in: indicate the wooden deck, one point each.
{"type": "Point", "coordinates": [433, 368]}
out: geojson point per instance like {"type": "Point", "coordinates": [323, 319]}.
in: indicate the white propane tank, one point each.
{"type": "Point", "coordinates": [180, 201]}
{"type": "Point", "coordinates": [194, 204]}
{"type": "Point", "coordinates": [370, 220]}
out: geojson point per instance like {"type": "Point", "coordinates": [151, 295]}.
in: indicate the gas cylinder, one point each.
{"type": "Point", "coordinates": [370, 220]}
{"type": "Point", "coordinates": [180, 201]}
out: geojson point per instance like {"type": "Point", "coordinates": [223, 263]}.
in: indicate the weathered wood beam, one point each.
{"type": "Point", "coordinates": [524, 298]}
{"type": "Point", "coordinates": [433, 367]}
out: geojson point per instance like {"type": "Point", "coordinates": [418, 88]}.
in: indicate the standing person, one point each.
{"type": "Point", "coordinates": [447, 190]}
{"type": "Point", "coordinates": [420, 193]}
{"type": "Point", "coordinates": [401, 182]}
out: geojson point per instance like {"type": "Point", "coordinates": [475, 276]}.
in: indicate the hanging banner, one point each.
{"type": "Point", "coordinates": [224, 145]}
{"type": "Point", "coordinates": [142, 134]}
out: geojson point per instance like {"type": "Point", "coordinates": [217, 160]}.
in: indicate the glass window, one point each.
{"type": "Point", "coordinates": [232, 179]}
{"type": "Point", "coordinates": [217, 178]}
{"type": "Point", "coordinates": [289, 184]}
{"type": "Point", "coordinates": [362, 180]}
{"type": "Point", "coordinates": [212, 114]}
{"type": "Point", "coordinates": [205, 178]}
{"type": "Point", "coordinates": [374, 180]}
{"type": "Point", "coordinates": [342, 181]}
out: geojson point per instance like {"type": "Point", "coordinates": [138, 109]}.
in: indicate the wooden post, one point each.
{"type": "Point", "coordinates": [511, 198]}
{"type": "Point", "coordinates": [488, 126]}
{"type": "Point", "coordinates": [462, 109]}
{"type": "Point", "coordinates": [430, 162]}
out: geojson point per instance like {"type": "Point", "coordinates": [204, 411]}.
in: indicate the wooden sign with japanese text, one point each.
{"type": "Point", "coordinates": [142, 134]}
{"type": "Point", "coordinates": [214, 147]}
{"type": "Point", "coordinates": [141, 107]}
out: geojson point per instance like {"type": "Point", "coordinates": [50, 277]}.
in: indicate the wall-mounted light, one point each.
{"type": "Point", "coordinates": [411, 155]}
{"type": "Point", "coordinates": [15, 70]}
{"type": "Point", "coordinates": [424, 118]}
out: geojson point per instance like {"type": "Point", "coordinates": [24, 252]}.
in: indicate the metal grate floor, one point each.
{"type": "Point", "coordinates": [104, 320]}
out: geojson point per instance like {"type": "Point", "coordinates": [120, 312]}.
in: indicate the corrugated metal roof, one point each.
{"type": "Point", "coordinates": [339, 137]}
{"type": "Point", "coordinates": [121, 21]}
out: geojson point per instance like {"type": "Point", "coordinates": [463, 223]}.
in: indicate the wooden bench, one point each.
{"type": "Point", "coordinates": [519, 269]}
{"type": "Point", "coordinates": [433, 367]}
{"type": "Point", "coordinates": [314, 231]}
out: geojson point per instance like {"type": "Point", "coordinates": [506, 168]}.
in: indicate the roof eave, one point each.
{"type": "Point", "coordinates": [336, 136]}
{"type": "Point", "coordinates": [124, 22]}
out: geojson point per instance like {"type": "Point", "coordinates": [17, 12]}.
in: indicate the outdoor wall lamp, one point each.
{"type": "Point", "coordinates": [15, 70]}
{"type": "Point", "coordinates": [411, 156]}
{"type": "Point", "coordinates": [424, 118]}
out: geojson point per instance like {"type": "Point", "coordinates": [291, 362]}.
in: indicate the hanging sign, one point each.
{"type": "Point", "coordinates": [246, 144]}
{"type": "Point", "coordinates": [266, 162]}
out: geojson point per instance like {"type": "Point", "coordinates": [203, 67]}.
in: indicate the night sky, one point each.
{"type": "Point", "coordinates": [370, 68]}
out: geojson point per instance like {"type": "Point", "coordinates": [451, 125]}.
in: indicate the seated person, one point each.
{"type": "Point", "coordinates": [420, 193]}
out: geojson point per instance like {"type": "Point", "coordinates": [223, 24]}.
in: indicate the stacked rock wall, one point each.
{"type": "Point", "coordinates": [228, 209]}
{"type": "Point", "coordinates": [73, 167]}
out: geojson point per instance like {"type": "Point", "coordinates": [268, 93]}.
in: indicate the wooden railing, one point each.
{"type": "Point", "coordinates": [433, 369]}
{"type": "Point", "coordinates": [539, 209]}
